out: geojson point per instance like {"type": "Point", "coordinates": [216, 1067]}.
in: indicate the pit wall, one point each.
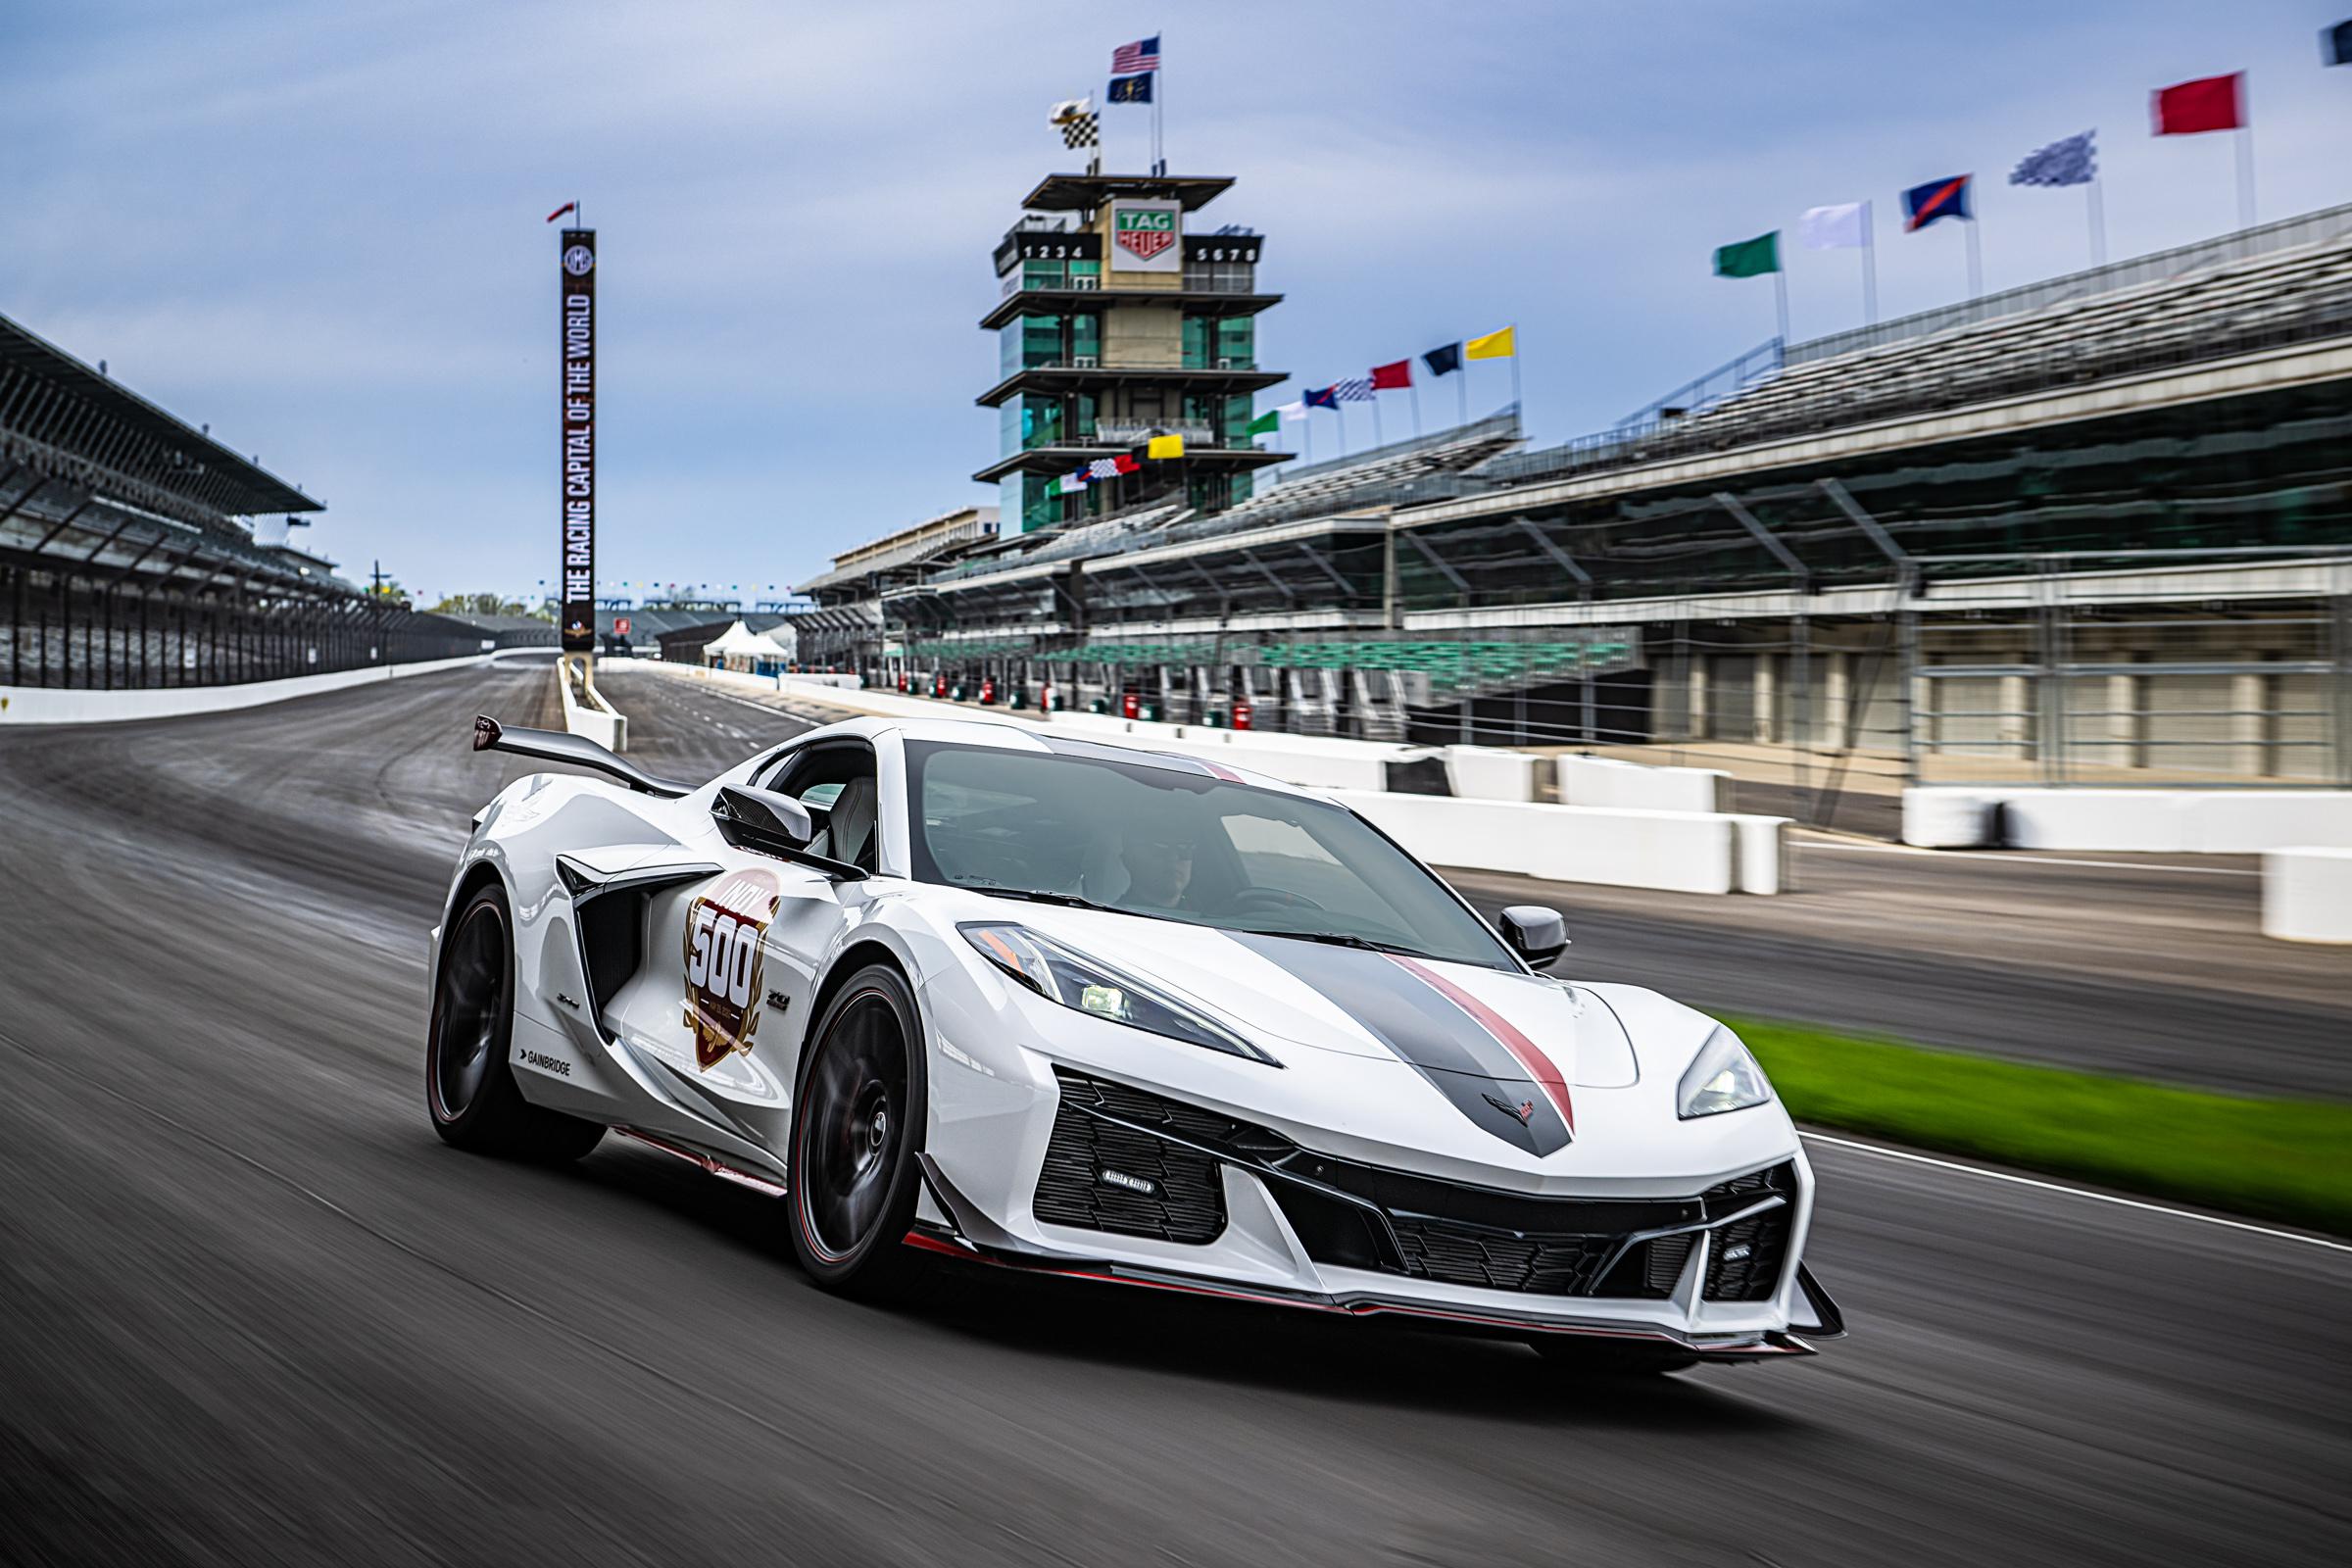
{"type": "Point", "coordinates": [586, 713]}
{"type": "Point", "coordinates": [57, 705]}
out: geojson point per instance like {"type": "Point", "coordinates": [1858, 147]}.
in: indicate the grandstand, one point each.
{"type": "Point", "coordinates": [2095, 529]}
{"type": "Point", "coordinates": [127, 558]}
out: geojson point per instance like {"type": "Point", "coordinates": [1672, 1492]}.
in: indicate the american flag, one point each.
{"type": "Point", "coordinates": [1142, 54]}
{"type": "Point", "coordinates": [1355, 389]}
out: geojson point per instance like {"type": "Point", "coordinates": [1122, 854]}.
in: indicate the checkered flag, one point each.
{"type": "Point", "coordinates": [1079, 123]}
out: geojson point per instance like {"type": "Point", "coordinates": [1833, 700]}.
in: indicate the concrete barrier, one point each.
{"type": "Point", "coordinates": [1492, 772]}
{"type": "Point", "coordinates": [588, 714]}
{"type": "Point", "coordinates": [2147, 822]}
{"type": "Point", "coordinates": [1759, 853]}
{"type": "Point", "coordinates": [2307, 894]}
{"type": "Point", "coordinates": [1678, 851]}
{"type": "Point", "coordinates": [58, 704]}
{"type": "Point", "coordinates": [1608, 781]}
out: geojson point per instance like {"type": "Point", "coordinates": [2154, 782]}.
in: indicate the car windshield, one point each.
{"type": "Point", "coordinates": [1176, 845]}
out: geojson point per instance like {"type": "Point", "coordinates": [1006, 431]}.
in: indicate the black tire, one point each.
{"type": "Point", "coordinates": [469, 1088]}
{"type": "Point", "coordinates": [1576, 1356]}
{"type": "Point", "coordinates": [857, 1126]}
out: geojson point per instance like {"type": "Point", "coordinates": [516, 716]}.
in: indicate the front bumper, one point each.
{"type": "Point", "coordinates": [1131, 1187]}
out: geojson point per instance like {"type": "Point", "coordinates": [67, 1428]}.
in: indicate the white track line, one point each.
{"type": "Point", "coordinates": [1963, 855]}
{"type": "Point", "coordinates": [1884, 1152]}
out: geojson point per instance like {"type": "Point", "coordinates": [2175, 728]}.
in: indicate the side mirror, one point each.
{"type": "Point", "coordinates": [774, 824]}
{"type": "Point", "coordinates": [1537, 934]}
{"type": "Point", "coordinates": [761, 819]}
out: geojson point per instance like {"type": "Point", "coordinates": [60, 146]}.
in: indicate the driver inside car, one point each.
{"type": "Point", "coordinates": [1160, 868]}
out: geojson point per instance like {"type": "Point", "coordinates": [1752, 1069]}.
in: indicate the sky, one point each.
{"type": "Point", "coordinates": [320, 229]}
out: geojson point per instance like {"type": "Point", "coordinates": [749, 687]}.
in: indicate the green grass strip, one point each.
{"type": "Point", "coordinates": [2282, 1160]}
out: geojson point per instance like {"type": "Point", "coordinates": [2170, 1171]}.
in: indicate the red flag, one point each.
{"type": "Point", "coordinates": [1126, 461]}
{"type": "Point", "coordinates": [560, 210]}
{"type": "Point", "coordinates": [2213, 103]}
{"type": "Point", "coordinates": [1389, 377]}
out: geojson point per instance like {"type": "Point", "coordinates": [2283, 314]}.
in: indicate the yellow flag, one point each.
{"type": "Point", "coordinates": [1494, 346]}
{"type": "Point", "coordinates": [1165, 446]}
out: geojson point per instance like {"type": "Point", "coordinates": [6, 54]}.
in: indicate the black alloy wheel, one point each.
{"type": "Point", "coordinates": [470, 1086]}
{"type": "Point", "coordinates": [857, 1125]}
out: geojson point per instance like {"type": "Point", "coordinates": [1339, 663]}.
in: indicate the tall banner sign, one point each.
{"type": "Point", "coordinates": [578, 616]}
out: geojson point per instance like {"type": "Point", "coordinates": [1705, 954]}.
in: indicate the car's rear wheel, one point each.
{"type": "Point", "coordinates": [468, 1084]}
{"type": "Point", "coordinates": [858, 1124]}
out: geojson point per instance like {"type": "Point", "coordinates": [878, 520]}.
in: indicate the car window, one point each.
{"type": "Point", "coordinates": [837, 785]}
{"type": "Point", "coordinates": [1176, 843]}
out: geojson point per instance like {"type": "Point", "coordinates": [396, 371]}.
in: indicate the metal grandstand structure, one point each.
{"type": "Point", "coordinates": [124, 561]}
{"type": "Point", "coordinates": [2094, 531]}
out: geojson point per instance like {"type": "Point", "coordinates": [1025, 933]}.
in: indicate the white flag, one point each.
{"type": "Point", "coordinates": [1293, 411]}
{"type": "Point", "coordinates": [1834, 228]}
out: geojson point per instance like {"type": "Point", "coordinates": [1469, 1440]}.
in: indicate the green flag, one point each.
{"type": "Point", "coordinates": [1751, 258]}
{"type": "Point", "coordinates": [1267, 421]}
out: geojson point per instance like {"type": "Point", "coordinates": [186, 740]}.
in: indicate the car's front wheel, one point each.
{"type": "Point", "coordinates": [857, 1125]}
{"type": "Point", "coordinates": [469, 1086]}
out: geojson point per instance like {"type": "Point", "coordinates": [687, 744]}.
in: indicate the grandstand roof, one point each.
{"type": "Point", "coordinates": [1077, 192]}
{"type": "Point", "coordinates": [245, 488]}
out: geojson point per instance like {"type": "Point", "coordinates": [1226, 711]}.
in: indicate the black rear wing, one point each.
{"type": "Point", "coordinates": [555, 746]}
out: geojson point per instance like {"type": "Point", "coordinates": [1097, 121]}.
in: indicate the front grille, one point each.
{"type": "Point", "coordinates": [1543, 1266]}
{"type": "Point", "coordinates": [1744, 1258]}
{"type": "Point", "coordinates": [1080, 1184]}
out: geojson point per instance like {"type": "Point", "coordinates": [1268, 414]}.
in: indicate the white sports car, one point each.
{"type": "Point", "coordinates": [979, 990]}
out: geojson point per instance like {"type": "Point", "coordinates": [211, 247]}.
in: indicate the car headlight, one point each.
{"type": "Point", "coordinates": [1721, 1077]}
{"type": "Point", "coordinates": [1074, 980]}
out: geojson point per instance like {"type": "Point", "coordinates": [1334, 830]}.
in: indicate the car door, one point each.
{"type": "Point", "coordinates": [732, 958]}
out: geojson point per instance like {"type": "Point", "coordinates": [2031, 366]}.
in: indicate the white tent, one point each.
{"type": "Point", "coordinates": [737, 639]}
{"type": "Point", "coordinates": [786, 638]}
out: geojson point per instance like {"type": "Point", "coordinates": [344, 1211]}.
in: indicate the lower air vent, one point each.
{"type": "Point", "coordinates": [1100, 1176]}
{"type": "Point", "coordinates": [1547, 1265]}
{"type": "Point", "coordinates": [1745, 1257]}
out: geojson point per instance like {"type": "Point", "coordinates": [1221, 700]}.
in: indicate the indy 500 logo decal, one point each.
{"type": "Point", "coordinates": [723, 931]}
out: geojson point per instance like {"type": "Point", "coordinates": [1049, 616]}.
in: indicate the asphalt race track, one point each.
{"type": "Point", "coordinates": [252, 1311]}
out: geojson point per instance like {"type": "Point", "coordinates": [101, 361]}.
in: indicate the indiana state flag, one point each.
{"type": "Point", "coordinates": [1937, 199]}
{"type": "Point", "coordinates": [1131, 89]}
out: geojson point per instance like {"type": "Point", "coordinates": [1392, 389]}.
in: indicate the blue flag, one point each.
{"type": "Point", "coordinates": [1445, 361]}
{"type": "Point", "coordinates": [2335, 44]}
{"type": "Point", "coordinates": [2071, 161]}
{"type": "Point", "coordinates": [1131, 89]}
{"type": "Point", "coordinates": [1937, 199]}
{"type": "Point", "coordinates": [1321, 397]}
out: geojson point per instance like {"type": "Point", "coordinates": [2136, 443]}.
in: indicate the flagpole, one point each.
{"type": "Point", "coordinates": [1378, 439]}
{"type": "Point", "coordinates": [2245, 173]}
{"type": "Point", "coordinates": [2099, 227]}
{"type": "Point", "coordinates": [1160, 140]}
{"type": "Point", "coordinates": [1516, 367]}
{"type": "Point", "coordinates": [1870, 267]}
{"type": "Point", "coordinates": [1412, 391]}
{"type": "Point", "coordinates": [1780, 296]}
{"type": "Point", "coordinates": [1462, 389]}
{"type": "Point", "coordinates": [1341, 409]}
{"type": "Point", "coordinates": [1976, 262]}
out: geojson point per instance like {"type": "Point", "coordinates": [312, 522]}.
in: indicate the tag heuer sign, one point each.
{"type": "Point", "coordinates": [1144, 236]}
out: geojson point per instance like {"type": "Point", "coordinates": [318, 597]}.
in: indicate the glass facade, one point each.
{"type": "Point", "coordinates": [1038, 340]}
{"type": "Point", "coordinates": [1214, 342]}
{"type": "Point", "coordinates": [1061, 274]}
{"type": "Point", "coordinates": [1221, 278]}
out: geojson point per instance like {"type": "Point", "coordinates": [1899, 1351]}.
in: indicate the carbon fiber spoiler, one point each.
{"type": "Point", "coordinates": [555, 746]}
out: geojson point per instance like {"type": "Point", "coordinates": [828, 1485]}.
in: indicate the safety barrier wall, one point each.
{"type": "Point", "coordinates": [2307, 894]}
{"type": "Point", "coordinates": [1676, 852]}
{"type": "Point", "coordinates": [63, 705]}
{"type": "Point", "coordinates": [589, 715]}
{"type": "Point", "coordinates": [2156, 822]}
{"type": "Point", "coordinates": [1606, 781]}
